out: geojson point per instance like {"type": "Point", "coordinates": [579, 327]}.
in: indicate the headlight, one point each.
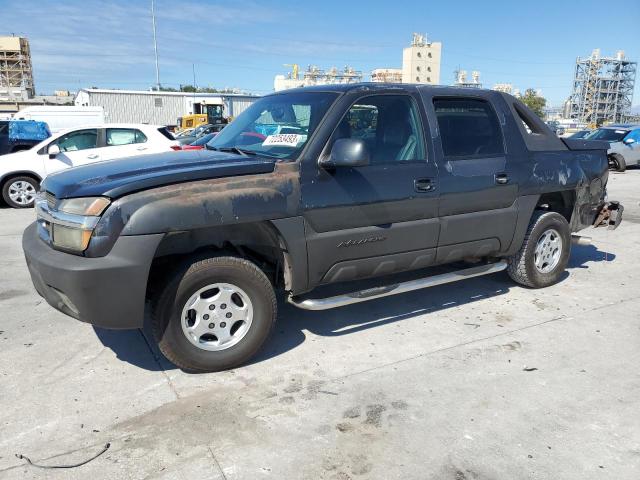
{"type": "Point", "coordinates": [91, 206]}
{"type": "Point", "coordinates": [70, 237]}
{"type": "Point", "coordinates": [70, 223]}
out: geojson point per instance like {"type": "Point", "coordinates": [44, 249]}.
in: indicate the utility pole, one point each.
{"type": "Point", "coordinates": [155, 43]}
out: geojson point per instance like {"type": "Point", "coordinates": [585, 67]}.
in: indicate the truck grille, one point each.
{"type": "Point", "coordinates": [51, 200]}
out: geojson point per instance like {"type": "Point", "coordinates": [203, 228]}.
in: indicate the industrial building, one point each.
{"type": "Point", "coordinates": [420, 64]}
{"type": "Point", "coordinates": [463, 81]}
{"type": "Point", "coordinates": [602, 88]}
{"type": "Point", "coordinates": [315, 76]}
{"type": "Point", "coordinates": [16, 72]}
{"type": "Point", "coordinates": [160, 108]}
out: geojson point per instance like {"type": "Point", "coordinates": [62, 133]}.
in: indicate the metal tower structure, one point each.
{"type": "Point", "coordinates": [602, 88]}
{"type": "Point", "coordinates": [15, 65]}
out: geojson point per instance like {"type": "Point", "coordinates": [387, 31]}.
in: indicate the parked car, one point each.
{"type": "Point", "coordinates": [199, 143]}
{"type": "Point", "coordinates": [21, 172]}
{"type": "Point", "coordinates": [624, 144]}
{"type": "Point", "coordinates": [580, 134]}
{"type": "Point", "coordinates": [198, 132]}
{"type": "Point", "coordinates": [556, 127]}
{"type": "Point", "coordinates": [17, 135]}
{"type": "Point", "coordinates": [433, 176]}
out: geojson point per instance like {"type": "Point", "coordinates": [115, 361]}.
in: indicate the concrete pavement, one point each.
{"type": "Point", "coordinates": [477, 380]}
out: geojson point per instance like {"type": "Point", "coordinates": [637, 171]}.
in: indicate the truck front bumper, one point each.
{"type": "Point", "coordinates": [106, 291]}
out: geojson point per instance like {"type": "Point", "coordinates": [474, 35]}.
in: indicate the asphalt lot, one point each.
{"type": "Point", "coordinates": [477, 380]}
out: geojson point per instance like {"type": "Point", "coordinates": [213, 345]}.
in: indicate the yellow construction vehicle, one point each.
{"type": "Point", "coordinates": [204, 113]}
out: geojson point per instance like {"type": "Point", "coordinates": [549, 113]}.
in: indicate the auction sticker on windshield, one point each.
{"type": "Point", "coordinates": [283, 140]}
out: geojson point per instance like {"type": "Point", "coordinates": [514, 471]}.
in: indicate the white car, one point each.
{"type": "Point", "coordinates": [22, 172]}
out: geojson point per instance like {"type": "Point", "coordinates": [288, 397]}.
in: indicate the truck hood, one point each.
{"type": "Point", "coordinates": [116, 178]}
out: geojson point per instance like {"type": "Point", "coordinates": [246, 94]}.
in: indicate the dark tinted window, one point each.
{"type": "Point", "coordinates": [389, 125]}
{"type": "Point", "coordinates": [79, 140]}
{"type": "Point", "coordinates": [608, 134]}
{"type": "Point", "coordinates": [468, 128]}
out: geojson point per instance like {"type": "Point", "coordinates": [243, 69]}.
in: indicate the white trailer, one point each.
{"type": "Point", "coordinates": [60, 118]}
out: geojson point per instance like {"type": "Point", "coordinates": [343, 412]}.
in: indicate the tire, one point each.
{"type": "Point", "coordinates": [254, 302]}
{"type": "Point", "coordinates": [522, 265]}
{"type": "Point", "coordinates": [20, 192]}
{"type": "Point", "coordinates": [618, 164]}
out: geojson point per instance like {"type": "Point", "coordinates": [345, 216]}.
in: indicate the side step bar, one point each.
{"type": "Point", "coordinates": [387, 290]}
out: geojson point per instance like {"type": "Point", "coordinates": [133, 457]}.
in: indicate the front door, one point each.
{"type": "Point", "coordinates": [478, 184]}
{"type": "Point", "coordinates": [631, 150]}
{"type": "Point", "coordinates": [375, 219]}
{"type": "Point", "coordinates": [76, 148]}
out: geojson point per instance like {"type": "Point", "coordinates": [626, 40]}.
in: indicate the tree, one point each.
{"type": "Point", "coordinates": [534, 101]}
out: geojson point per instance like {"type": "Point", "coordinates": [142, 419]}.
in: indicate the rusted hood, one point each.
{"type": "Point", "coordinates": [116, 178]}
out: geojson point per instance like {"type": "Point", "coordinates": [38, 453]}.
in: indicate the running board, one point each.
{"type": "Point", "coordinates": [388, 290]}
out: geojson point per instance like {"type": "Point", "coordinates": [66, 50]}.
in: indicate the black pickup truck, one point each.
{"type": "Point", "coordinates": [309, 187]}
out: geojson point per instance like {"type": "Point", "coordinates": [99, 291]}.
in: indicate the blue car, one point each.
{"type": "Point", "coordinates": [16, 135]}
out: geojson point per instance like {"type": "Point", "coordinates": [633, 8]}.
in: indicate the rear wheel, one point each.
{"type": "Point", "coordinates": [20, 192]}
{"type": "Point", "coordinates": [215, 315]}
{"type": "Point", "coordinates": [544, 253]}
{"type": "Point", "coordinates": [617, 163]}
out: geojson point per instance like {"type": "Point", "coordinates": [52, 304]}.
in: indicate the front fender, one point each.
{"type": "Point", "coordinates": [200, 205]}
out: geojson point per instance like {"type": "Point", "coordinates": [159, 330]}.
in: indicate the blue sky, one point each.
{"type": "Point", "coordinates": [80, 43]}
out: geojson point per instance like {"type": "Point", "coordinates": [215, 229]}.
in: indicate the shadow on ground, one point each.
{"type": "Point", "coordinates": [139, 349]}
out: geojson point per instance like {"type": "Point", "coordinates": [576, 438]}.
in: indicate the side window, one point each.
{"type": "Point", "coordinates": [468, 127]}
{"type": "Point", "coordinates": [124, 136]}
{"type": "Point", "coordinates": [79, 140]}
{"type": "Point", "coordinates": [635, 135]}
{"type": "Point", "coordinates": [389, 125]}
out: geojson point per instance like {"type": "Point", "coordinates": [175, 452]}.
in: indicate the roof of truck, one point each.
{"type": "Point", "coordinates": [346, 87]}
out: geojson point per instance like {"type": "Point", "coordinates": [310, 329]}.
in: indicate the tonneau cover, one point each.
{"type": "Point", "coordinates": [581, 144]}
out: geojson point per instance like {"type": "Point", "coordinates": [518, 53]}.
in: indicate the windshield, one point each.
{"type": "Point", "coordinates": [204, 139]}
{"type": "Point", "coordinates": [276, 126]}
{"type": "Point", "coordinates": [608, 134]}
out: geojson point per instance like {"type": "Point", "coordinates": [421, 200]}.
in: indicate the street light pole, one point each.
{"type": "Point", "coordinates": [155, 43]}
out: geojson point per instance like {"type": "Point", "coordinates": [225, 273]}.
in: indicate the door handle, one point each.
{"type": "Point", "coordinates": [141, 148]}
{"type": "Point", "coordinates": [92, 156]}
{"type": "Point", "coordinates": [502, 178]}
{"type": "Point", "coordinates": [424, 185]}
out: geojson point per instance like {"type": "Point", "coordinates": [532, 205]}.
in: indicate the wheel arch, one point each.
{"type": "Point", "coordinates": [19, 173]}
{"type": "Point", "coordinates": [562, 202]}
{"type": "Point", "coordinates": [266, 243]}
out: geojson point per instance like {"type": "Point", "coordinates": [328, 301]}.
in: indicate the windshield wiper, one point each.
{"type": "Point", "coordinates": [239, 151]}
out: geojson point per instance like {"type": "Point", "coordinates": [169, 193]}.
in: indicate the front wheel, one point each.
{"type": "Point", "coordinates": [215, 316]}
{"type": "Point", "coordinates": [20, 192]}
{"type": "Point", "coordinates": [545, 251]}
{"type": "Point", "coordinates": [617, 163]}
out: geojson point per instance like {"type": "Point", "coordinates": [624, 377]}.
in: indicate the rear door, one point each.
{"type": "Point", "coordinates": [78, 147]}
{"type": "Point", "coordinates": [375, 219]}
{"type": "Point", "coordinates": [477, 178]}
{"type": "Point", "coordinates": [124, 142]}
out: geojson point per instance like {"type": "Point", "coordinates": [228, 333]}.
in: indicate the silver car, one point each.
{"type": "Point", "coordinates": [624, 144]}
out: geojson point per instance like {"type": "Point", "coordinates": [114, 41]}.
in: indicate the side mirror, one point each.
{"type": "Point", "coordinates": [53, 151]}
{"type": "Point", "coordinates": [629, 141]}
{"type": "Point", "coordinates": [347, 152]}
